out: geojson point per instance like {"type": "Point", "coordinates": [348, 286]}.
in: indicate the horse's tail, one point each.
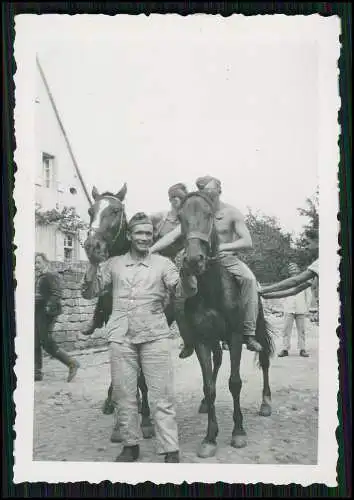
{"type": "Point", "coordinates": [264, 335]}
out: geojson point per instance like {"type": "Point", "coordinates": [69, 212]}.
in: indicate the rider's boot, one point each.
{"type": "Point", "coordinates": [187, 351]}
{"type": "Point", "coordinates": [252, 344]}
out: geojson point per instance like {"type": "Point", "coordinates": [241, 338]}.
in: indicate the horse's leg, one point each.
{"type": "Point", "coordinates": [208, 446]}
{"type": "Point", "coordinates": [108, 405]}
{"type": "Point", "coordinates": [235, 384]}
{"type": "Point", "coordinates": [266, 408]}
{"type": "Point", "coordinates": [138, 399]}
{"type": "Point", "coordinates": [264, 337]}
{"type": "Point", "coordinates": [217, 359]}
{"type": "Point", "coordinates": [184, 328]}
{"type": "Point", "coordinates": [106, 305]}
{"type": "Point", "coordinates": [147, 427]}
{"type": "Point", "coordinates": [116, 436]}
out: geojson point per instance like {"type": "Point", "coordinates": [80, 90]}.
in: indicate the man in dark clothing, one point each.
{"type": "Point", "coordinates": [47, 308]}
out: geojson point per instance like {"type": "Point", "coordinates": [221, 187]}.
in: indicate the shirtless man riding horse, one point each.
{"type": "Point", "coordinates": [233, 236]}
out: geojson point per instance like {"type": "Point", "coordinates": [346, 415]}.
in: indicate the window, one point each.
{"type": "Point", "coordinates": [48, 170]}
{"type": "Point", "coordinates": [69, 247]}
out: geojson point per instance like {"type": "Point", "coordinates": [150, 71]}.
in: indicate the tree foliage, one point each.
{"type": "Point", "coordinates": [308, 242]}
{"type": "Point", "coordinates": [272, 248]}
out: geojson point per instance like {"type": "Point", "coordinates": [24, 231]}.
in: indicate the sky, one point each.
{"type": "Point", "coordinates": [155, 110]}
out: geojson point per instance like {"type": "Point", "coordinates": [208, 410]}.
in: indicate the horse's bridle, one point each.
{"type": "Point", "coordinates": [121, 221]}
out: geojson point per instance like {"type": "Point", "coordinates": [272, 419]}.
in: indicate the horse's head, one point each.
{"type": "Point", "coordinates": [197, 224]}
{"type": "Point", "coordinates": [107, 223]}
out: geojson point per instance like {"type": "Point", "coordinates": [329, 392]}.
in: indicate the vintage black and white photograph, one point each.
{"type": "Point", "coordinates": [176, 200]}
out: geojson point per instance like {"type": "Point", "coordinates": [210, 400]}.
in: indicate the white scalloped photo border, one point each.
{"type": "Point", "coordinates": [36, 31]}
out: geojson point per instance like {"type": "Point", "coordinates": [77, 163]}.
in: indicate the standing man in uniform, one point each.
{"type": "Point", "coordinates": [47, 308]}
{"type": "Point", "coordinates": [296, 308]}
{"type": "Point", "coordinates": [233, 236]}
{"type": "Point", "coordinates": [140, 336]}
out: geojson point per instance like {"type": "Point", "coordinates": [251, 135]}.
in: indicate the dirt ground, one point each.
{"type": "Point", "coordinates": [69, 424]}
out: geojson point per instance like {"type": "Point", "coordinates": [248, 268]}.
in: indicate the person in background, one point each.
{"type": "Point", "coordinates": [296, 308]}
{"type": "Point", "coordinates": [165, 222]}
{"type": "Point", "coordinates": [139, 335]}
{"type": "Point", "coordinates": [47, 309]}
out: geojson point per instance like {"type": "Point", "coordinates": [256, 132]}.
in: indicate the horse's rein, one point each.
{"type": "Point", "coordinates": [120, 224]}
{"type": "Point", "coordinates": [119, 229]}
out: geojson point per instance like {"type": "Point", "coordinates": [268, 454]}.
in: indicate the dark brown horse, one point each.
{"type": "Point", "coordinates": [214, 315]}
{"type": "Point", "coordinates": [107, 237]}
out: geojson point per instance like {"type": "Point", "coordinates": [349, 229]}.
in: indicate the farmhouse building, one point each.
{"type": "Point", "coordinates": [58, 185]}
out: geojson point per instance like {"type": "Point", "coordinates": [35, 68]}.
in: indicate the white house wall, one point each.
{"type": "Point", "coordinates": [50, 140]}
{"type": "Point", "coordinates": [45, 241]}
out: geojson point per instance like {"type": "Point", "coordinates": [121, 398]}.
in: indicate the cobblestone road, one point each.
{"type": "Point", "coordinates": [69, 424]}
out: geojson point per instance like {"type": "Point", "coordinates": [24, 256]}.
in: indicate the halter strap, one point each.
{"type": "Point", "coordinates": [200, 236]}
{"type": "Point", "coordinates": [119, 229]}
{"type": "Point", "coordinates": [110, 197]}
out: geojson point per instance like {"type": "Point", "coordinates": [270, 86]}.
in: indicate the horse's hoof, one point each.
{"type": "Point", "coordinates": [265, 410]}
{"type": "Point", "coordinates": [107, 408]}
{"type": "Point", "coordinates": [116, 436]}
{"type": "Point", "coordinates": [238, 441]}
{"type": "Point", "coordinates": [206, 450]}
{"type": "Point", "coordinates": [203, 408]}
{"type": "Point", "coordinates": [148, 431]}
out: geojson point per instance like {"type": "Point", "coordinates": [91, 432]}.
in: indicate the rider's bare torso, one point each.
{"type": "Point", "coordinates": [225, 218]}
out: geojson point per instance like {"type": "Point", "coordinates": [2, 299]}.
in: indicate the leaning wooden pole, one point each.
{"type": "Point", "coordinates": [62, 129]}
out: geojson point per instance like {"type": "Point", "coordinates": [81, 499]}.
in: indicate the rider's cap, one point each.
{"type": "Point", "coordinates": [201, 182]}
{"type": "Point", "coordinates": [139, 218]}
{"type": "Point", "coordinates": [178, 190]}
